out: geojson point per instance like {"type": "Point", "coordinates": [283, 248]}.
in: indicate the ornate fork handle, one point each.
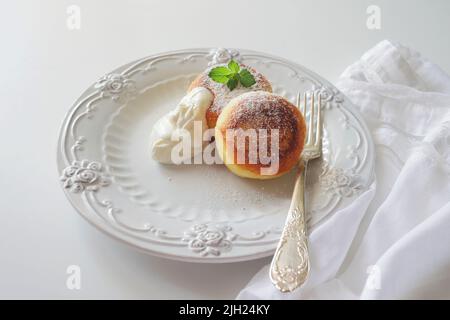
{"type": "Point", "coordinates": [290, 265]}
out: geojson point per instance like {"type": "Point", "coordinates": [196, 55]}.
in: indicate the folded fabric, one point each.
{"type": "Point", "coordinates": [393, 242]}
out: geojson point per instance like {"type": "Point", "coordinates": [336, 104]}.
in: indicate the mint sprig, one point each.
{"type": "Point", "coordinates": [232, 75]}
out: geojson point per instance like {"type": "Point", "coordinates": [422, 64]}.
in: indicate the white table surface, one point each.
{"type": "Point", "coordinates": [45, 68]}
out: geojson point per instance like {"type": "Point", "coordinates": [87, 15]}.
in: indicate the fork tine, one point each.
{"type": "Point", "coordinates": [303, 108]}
{"type": "Point", "coordinates": [318, 141]}
{"type": "Point", "coordinates": [298, 101]}
{"type": "Point", "coordinates": [311, 120]}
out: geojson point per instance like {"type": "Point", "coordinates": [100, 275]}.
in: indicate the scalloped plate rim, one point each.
{"type": "Point", "coordinates": [123, 238]}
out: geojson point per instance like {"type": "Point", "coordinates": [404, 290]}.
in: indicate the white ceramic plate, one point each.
{"type": "Point", "coordinates": [197, 213]}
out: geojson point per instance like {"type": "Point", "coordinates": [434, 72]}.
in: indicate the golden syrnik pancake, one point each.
{"type": "Point", "coordinates": [266, 111]}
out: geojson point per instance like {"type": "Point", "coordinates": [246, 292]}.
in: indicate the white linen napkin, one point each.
{"type": "Point", "coordinates": [393, 242]}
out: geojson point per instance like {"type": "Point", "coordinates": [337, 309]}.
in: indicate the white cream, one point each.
{"type": "Point", "coordinates": [190, 109]}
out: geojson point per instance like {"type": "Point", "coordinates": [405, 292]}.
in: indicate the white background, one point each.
{"type": "Point", "coordinates": [45, 67]}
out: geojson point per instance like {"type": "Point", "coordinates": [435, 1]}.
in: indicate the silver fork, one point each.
{"type": "Point", "coordinates": [290, 264]}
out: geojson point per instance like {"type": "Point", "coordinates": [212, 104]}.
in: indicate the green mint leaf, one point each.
{"type": "Point", "coordinates": [220, 79]}
{"type": "Point", "coordinates": [220, 71]}
{"type": "Point", "coordinates": [233, 66]}
{"type": "Point", "coordinates": [233, 82]}
{"type": "Point", "coordinates": [232, 75]}
{"type": "Point", "coordinates": [220, 74]}
{"type": "Point", "coordinates": [246, 78]}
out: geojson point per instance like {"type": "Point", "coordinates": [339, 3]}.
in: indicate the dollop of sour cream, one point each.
{"type": "Point", "coordinates": [190, 109]}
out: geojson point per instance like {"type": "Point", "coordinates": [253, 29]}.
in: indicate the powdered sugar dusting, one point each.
{"type": "Point", "coordinates": [223, 95]}
{"type": "Point", "coordinates": [261, 197]}
{"type": "Point", "coordinates": [263, 110]}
